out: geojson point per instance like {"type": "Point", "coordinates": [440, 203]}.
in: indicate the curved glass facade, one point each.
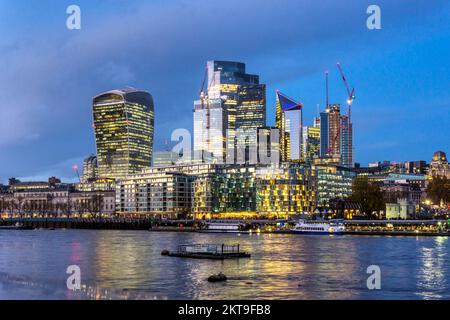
{"type": "Point", "coordinates": [124, 124]}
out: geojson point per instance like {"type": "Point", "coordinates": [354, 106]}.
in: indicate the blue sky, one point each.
{"type": "Point", "coordinates": [49, 74]}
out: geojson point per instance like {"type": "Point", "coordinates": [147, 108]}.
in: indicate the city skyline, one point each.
{"type": "Point", "coordinates": [37, 146]}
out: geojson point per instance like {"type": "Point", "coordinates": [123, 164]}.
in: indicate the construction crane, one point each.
{"type": "Point", "coordinates": [351, 93]}
{"type": "Point", "coordinates": [75, 168]}
{"type": "Point", "coordinates": [350, 98]}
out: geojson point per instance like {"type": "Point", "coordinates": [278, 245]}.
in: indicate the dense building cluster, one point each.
{"type": "Point", "coordinates": [238, 166]}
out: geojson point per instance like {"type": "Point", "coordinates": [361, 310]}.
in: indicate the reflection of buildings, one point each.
{"type": "Point", "coordinates": [123, 122]}
{"type": "Point", "coordinates": [230, 112]}
{"type": "Point", "coordinates": [288, 118]}
{"type": "Point", "coordinates": [439, 165]}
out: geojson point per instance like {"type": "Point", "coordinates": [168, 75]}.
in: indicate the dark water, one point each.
{"type": "Point", "coordinates": [128, 265]}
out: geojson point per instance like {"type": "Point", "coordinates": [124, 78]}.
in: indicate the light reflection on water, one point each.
{"type": "Point", "coordinates": [431, 275]}
{"type": "Point", "coordinates": [129, 265]}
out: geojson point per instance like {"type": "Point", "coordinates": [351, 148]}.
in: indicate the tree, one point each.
{"type": "Point", "coordinates": [368, 195]}
{"type": "Point", "coordinates": [438, 190]}
{"type": "Point", "coordinates": [338, 206]}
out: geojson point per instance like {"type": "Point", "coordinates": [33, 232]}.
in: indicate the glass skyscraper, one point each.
{"type": "Point", "coordinates": [123, 123]}
{"type": "Point", "coordinates": [346, 142]}
{"type": "Point", "coordinates": [334, 130]}
{"type": "Point", "coordinates": [231, 111]}
{"type": "Point", "coordinates": [210, 123]}
{"type": "Point", "coordinates": [288, 119]}
{"type": "Point", "coordinates": [324, 133]}
{"type": "Point", "coordinates": [311, 143]}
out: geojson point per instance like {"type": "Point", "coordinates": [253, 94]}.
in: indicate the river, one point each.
{"type": "Point", "coordinates": [129, 265]}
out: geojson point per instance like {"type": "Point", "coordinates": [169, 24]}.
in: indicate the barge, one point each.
{"type": "Point", "coordinates": [208, 251]}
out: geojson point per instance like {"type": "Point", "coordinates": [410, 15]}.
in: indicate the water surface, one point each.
{"type": "Point", "coordinates": [129, 265]}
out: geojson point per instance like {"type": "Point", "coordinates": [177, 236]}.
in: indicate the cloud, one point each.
{"type": "Point", "coordinates": [48, 76]}
{"type": "Point", "coordinates": [62, 169]}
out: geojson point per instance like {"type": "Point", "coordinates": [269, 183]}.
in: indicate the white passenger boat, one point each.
{"type": "Point", "coordinates": [225, 227]}
{"type": "Point", "coordinates": [319, 227]}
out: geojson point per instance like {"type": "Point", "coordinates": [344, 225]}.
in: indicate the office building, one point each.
{"type": "Point", "coordinates": [123, 123]}
{"type": "Point", "coordinates": [311, 143]}
{"type": "Point", "coordinates": [324, 133]}
{"type": "Point", "coordinates": [158, 194]}
{"type": "Point", "coordinates": [334, 131]}
{"type": "Point", "coordinates": [165, 158]}
{"type": "Point", "coordinates": [268, 145]}
{"type": "Point", "coordinates": [226, 118]}
{"type": "Point", "coordinates": [346, 142]}
{"type": "Point", "coordinates": [89, 169]}
{"type": "Point", "coordinates": [285, 191]}
{"type": "Point", "coordinates": [288, 118]}
{"type": "Point", "coordinates": [334, 182]}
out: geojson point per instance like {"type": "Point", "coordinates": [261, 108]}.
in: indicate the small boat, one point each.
{"type": "Point", "coordinates": [225, 227]}
{"type": "Point", "coordinates": [319, 227]}
{"type": "Point", "coordinates": [17, 226]}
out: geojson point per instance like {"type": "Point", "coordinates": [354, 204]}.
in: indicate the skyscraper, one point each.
{"type": "Point", "coordinates": [268, 145]}
{"type": "Point", "coordinates": [288, 118]}
{"type": "Point", "coordinates": [231, 111]}
{"type": "Point", "coordinates": [334, 130]}
{"type": "Point", "coordinates": [210, 124]}
{"type": "Point", "coordinates": [324, 133]}
{"type": "Point", "coordinates": [123, 122]}
{"type": "Point", "coordinates": [89, 169]}
{"type": "Point", "coordinates": [346, 142]}
{"type": "Point", "coordinates": [311, 143]}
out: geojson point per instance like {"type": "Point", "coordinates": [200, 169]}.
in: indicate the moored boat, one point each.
{"type": "Point", "coordinates": [319, 227]}
{"type": "Point", "coordinates": [225, 227]}
{"type": "Point", "coordinates": [17, 226]}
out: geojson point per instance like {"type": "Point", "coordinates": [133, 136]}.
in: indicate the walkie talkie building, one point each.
{"type": "Point", "coordinates": [123, 123]}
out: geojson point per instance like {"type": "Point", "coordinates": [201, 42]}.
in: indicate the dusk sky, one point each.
{"type": "Point", "coordinates": [49, 74]}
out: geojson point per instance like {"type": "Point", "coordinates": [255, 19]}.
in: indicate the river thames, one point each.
{"type": "Point", "coordinates": [129, 265]}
